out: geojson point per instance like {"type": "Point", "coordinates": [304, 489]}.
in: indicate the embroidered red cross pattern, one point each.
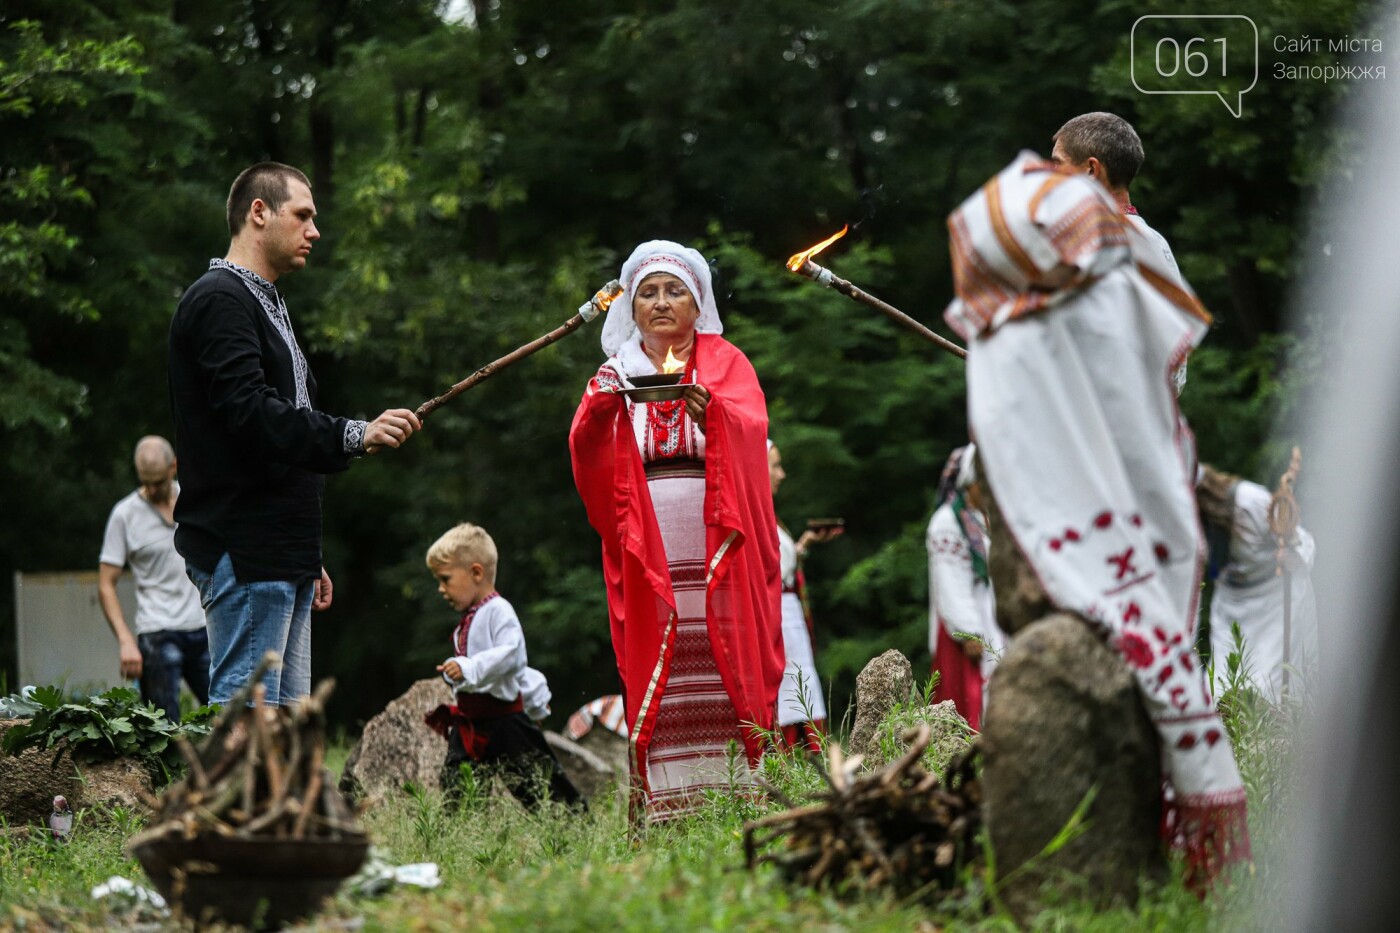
{"type": "Point", "coordinates": [1123, 563]}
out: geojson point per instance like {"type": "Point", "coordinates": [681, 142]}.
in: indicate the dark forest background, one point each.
{"type": "Point", "coordinates": [481, 168]}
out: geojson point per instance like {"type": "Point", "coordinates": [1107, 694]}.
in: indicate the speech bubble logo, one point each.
{"type": "Point", "coordinates": [1210, 53]}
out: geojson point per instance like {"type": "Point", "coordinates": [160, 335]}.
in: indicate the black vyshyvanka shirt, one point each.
{"type": "Point", "coordinates": [250, 444]}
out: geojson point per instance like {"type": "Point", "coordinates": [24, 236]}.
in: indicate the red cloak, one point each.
{"type": "Point", "coordinates": [744, 583]}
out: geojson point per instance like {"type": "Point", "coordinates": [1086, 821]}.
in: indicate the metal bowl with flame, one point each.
{"type": "Point", "coordinates": [660, 387]}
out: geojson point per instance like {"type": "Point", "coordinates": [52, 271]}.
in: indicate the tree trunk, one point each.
{"type": "Point", "coordinates": [420, 119]}
{"type": "Point", "coordinates": [1243, 279]}
{"type": "Point", "coordinates": [855, 155]}
{"type": "Point", "coordinates": [267, 132]}
{"type": "Point", "coordinates": [322, 119]}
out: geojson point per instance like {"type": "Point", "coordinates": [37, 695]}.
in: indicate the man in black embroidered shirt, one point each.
{"type": "Point", "coordinates": [251, 445]}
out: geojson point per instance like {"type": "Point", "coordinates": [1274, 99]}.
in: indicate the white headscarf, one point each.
{"type": "Point", "coordinates": [967, 468]}
{"type": "Point", "coordinates": [620, 330]}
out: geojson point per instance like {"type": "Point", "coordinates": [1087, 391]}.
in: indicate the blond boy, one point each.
{"type": "Point", "coordinates": [488, 724]}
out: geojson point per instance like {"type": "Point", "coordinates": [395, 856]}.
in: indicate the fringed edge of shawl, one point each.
{"type": "Point", "coordinates": [1212, 830]}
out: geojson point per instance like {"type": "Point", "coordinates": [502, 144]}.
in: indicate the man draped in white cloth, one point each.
{"type": "Point", "coordinates": [1074, 327]}
{"type": "Point", "coordinates": [1107, 147]}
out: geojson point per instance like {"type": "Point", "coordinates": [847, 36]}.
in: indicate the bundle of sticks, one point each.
{"type": "Point", "coordinates": [898, 827]}
{"type": "Point", "coordinates": [259, 773]}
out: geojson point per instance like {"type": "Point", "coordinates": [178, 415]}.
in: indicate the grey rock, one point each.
{"type": "Point", "coordinates": [590, 773]}
{"type": "Point", "coordinates": [1063, 717]}
{"type": "Point", "coordinates": [30, 781]}
{"type": "Point", "coordinates": [397, 746]}
{"type": "Point", "coordinates": [885, 681]}
{"type": "Point", "coordinates": [949, 735]}
{"type": "Point", "coordinates": [609, 746]}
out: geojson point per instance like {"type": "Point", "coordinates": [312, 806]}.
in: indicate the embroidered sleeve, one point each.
{"type": "Point", "coordinates": [608, 380]}
{"type": "Point", "coordinates": [354, 442]}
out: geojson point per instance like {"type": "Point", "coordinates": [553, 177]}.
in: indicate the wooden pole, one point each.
{"type": "Point", "coordinates": [590, 309]}
{"type": "Point", "coordinates": [1284, 519]}
{"type": "Point", "coordinates": [824, 276]}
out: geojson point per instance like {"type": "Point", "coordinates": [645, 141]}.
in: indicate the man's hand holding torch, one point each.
{"type": "Point", "coordinates": [390, 429]}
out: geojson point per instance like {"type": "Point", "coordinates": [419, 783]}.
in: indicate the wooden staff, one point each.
{"type": "Point", "coordinates": [824, 276]}
{"type": "Point", "coordinates": [586, 312]}
{"type": "Point", "coordinates": [1283, 522]}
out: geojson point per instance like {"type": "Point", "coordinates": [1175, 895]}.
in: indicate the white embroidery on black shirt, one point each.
{"type": "Point", "coordinates": [272, 303]}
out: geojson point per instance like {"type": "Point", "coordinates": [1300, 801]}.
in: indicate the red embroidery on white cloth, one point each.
{"type": "Point", "coordinates": [459, 634]}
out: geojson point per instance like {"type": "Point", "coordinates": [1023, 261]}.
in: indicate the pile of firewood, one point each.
{"type": "Point", "coordinates": [899, 827]}
{"type": "Point", "coordinates": [259, 773]}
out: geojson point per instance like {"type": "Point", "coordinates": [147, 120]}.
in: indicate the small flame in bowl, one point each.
{"type": "Point", "coordinates": [672, 365]}
{"type": "Point", "coordinates": [796, 261]}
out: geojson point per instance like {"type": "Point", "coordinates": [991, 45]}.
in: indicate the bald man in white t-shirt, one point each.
{"type": "Point", "coordinates": [167, 641]}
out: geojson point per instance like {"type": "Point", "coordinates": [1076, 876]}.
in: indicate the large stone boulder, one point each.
{"type": "Point", "coordinates": [609, 746]}
{"type": "Point", "coordinates": [30, 781]}
{"type": "Point", "coordinates": [397, 746]}
{"type": "Point", "coordinates": [590, 773]}
{"type": "Point", "coordinates": [1064, 718]}
{"type": "Point", "coordinates": [885, 681]}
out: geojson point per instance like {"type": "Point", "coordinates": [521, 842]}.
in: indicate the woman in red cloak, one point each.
{"type": "Point", "coordinates": [678, 491]}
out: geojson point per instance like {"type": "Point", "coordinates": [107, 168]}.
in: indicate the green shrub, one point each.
{"type": "Point", "coordinates": [115, 724]}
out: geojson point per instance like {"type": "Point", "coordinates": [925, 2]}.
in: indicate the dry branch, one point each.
{"type": "Point", "coordinates": [899, 827]}
{"type": "Point", "coordinates": [260, 772]}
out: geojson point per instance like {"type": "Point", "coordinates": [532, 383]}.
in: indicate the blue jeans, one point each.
{"type": "Point", "coordinates": [168, 657]}
{"type": "Point", "coordinates": [246, 620]}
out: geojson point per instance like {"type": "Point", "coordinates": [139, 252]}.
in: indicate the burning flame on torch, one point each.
{"type": "Point", "coordinates": [798, 259]}
{"type": "Point", "coordinates": [672, 365]}
{"type": "Point", "coordinates": [607, 295]}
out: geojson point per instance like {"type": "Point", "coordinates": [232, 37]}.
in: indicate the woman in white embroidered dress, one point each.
{"type": "Point", "coordinates": [964, 638]}
{"type": "Point", "coordinates": [801, 706]}
{"type": "Point", "coordinates": [678, 491]}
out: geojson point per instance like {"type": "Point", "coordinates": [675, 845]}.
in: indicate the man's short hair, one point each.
{"type": "Point", "coordinates": [266, 182]}
{"type": "Point", "coordinates": [1108, 138]}
{"type": "Point", "coordinates": [462, 546]}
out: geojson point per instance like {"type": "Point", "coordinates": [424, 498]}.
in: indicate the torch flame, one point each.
{"type": "Point", "coordinates": [796, 262]}
{"type": "Point", "coordinates": [672, 365]}
{"type": "Point", "coordinates": [607, 295]}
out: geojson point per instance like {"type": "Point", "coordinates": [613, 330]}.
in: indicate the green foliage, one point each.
{"type": "Point", "coordinates": [42, 82]}
{"type": "Point", "coordinates": [1264, 735]}
{"type": "Point", "coordinates": [114, 724]}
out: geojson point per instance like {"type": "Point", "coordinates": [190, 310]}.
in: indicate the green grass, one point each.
{"type": "Point", "coordinates": [506, 869]}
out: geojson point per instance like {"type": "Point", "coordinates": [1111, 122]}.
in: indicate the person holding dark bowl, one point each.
{"type": "Point", "coordinates": [675, 481]}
